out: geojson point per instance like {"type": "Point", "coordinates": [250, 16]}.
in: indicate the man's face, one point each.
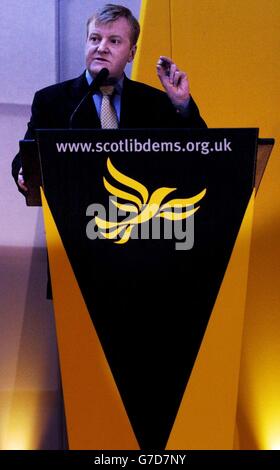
{"type": "Point", "coordinates": [109, 45]}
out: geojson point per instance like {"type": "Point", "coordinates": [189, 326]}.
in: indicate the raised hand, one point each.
{"type": "Point", "coordinates": [174, 81]}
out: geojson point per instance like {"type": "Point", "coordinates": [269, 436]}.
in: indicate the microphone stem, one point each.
{"type": "Point", "coordinates": [93, 87]}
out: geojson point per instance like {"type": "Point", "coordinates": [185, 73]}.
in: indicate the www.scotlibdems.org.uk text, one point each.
{"type": "Point", "coordinates": [149, 145]}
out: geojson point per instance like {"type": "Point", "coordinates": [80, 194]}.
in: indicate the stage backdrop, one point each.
{"type": "Point", "coordinates": [230, 51]}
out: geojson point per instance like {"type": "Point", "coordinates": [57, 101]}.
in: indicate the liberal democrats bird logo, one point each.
{"type": "Point", "coordinates": [141, 207]}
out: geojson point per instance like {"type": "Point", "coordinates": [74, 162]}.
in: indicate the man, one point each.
{"type": "Point", "coordinates": [112, 34]}
{"type": "Point", "coordinates": [144, 382]}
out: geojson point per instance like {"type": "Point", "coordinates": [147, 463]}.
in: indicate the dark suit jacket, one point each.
{"type": "Point", "coordinates": [142, 106]}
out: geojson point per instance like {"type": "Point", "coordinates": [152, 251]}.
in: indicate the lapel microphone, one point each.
{"type": "Point", "coordinates": [93, 87]}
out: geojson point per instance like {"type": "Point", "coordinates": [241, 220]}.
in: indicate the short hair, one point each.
{"type": "Point", "coordinates": [110, 13]}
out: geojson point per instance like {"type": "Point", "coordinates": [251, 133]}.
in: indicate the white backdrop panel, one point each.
{"type": "Point", "coordinates": [28, 45]}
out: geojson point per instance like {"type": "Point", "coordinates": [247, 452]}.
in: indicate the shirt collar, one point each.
{"type": "Point", "coordinates": [118, 85]}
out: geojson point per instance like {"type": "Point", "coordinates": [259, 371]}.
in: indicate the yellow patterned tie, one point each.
{"type": "Point", "coordinates": [108, 115]}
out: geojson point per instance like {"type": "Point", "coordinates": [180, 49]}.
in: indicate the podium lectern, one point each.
{"type": "Point", "coordinates": [148, 235]}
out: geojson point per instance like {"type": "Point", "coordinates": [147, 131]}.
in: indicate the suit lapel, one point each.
{"type": "Point", "coordinates": [128, 113]}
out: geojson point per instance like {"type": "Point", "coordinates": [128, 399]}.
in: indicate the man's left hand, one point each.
{"type": "Point", "coordinates": [175, 82]}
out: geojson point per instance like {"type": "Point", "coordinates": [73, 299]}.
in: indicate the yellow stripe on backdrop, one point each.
{"type": "Point", "coordinates": [155, 40]}
{"type": "Point", "coordinates": [230, 50]}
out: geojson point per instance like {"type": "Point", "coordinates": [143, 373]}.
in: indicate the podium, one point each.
{"type": "Point", "coordinates": [148, 235]}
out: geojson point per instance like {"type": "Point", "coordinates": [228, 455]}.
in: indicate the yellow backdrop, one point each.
{"type": "Point", "coordinates": [230, 50]}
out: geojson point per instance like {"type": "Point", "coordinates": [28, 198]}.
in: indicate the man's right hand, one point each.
{"type": "Point", "coordinates": [21, 182]}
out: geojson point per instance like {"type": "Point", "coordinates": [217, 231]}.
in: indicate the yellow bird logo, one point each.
{"type": "Point", "coordinates": [142, 207]}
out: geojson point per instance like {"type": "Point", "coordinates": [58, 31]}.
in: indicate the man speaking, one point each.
{"type": "Point", "coordinates": [113, 101]}
{"type": "Point", "coordinates": [129, 289]}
